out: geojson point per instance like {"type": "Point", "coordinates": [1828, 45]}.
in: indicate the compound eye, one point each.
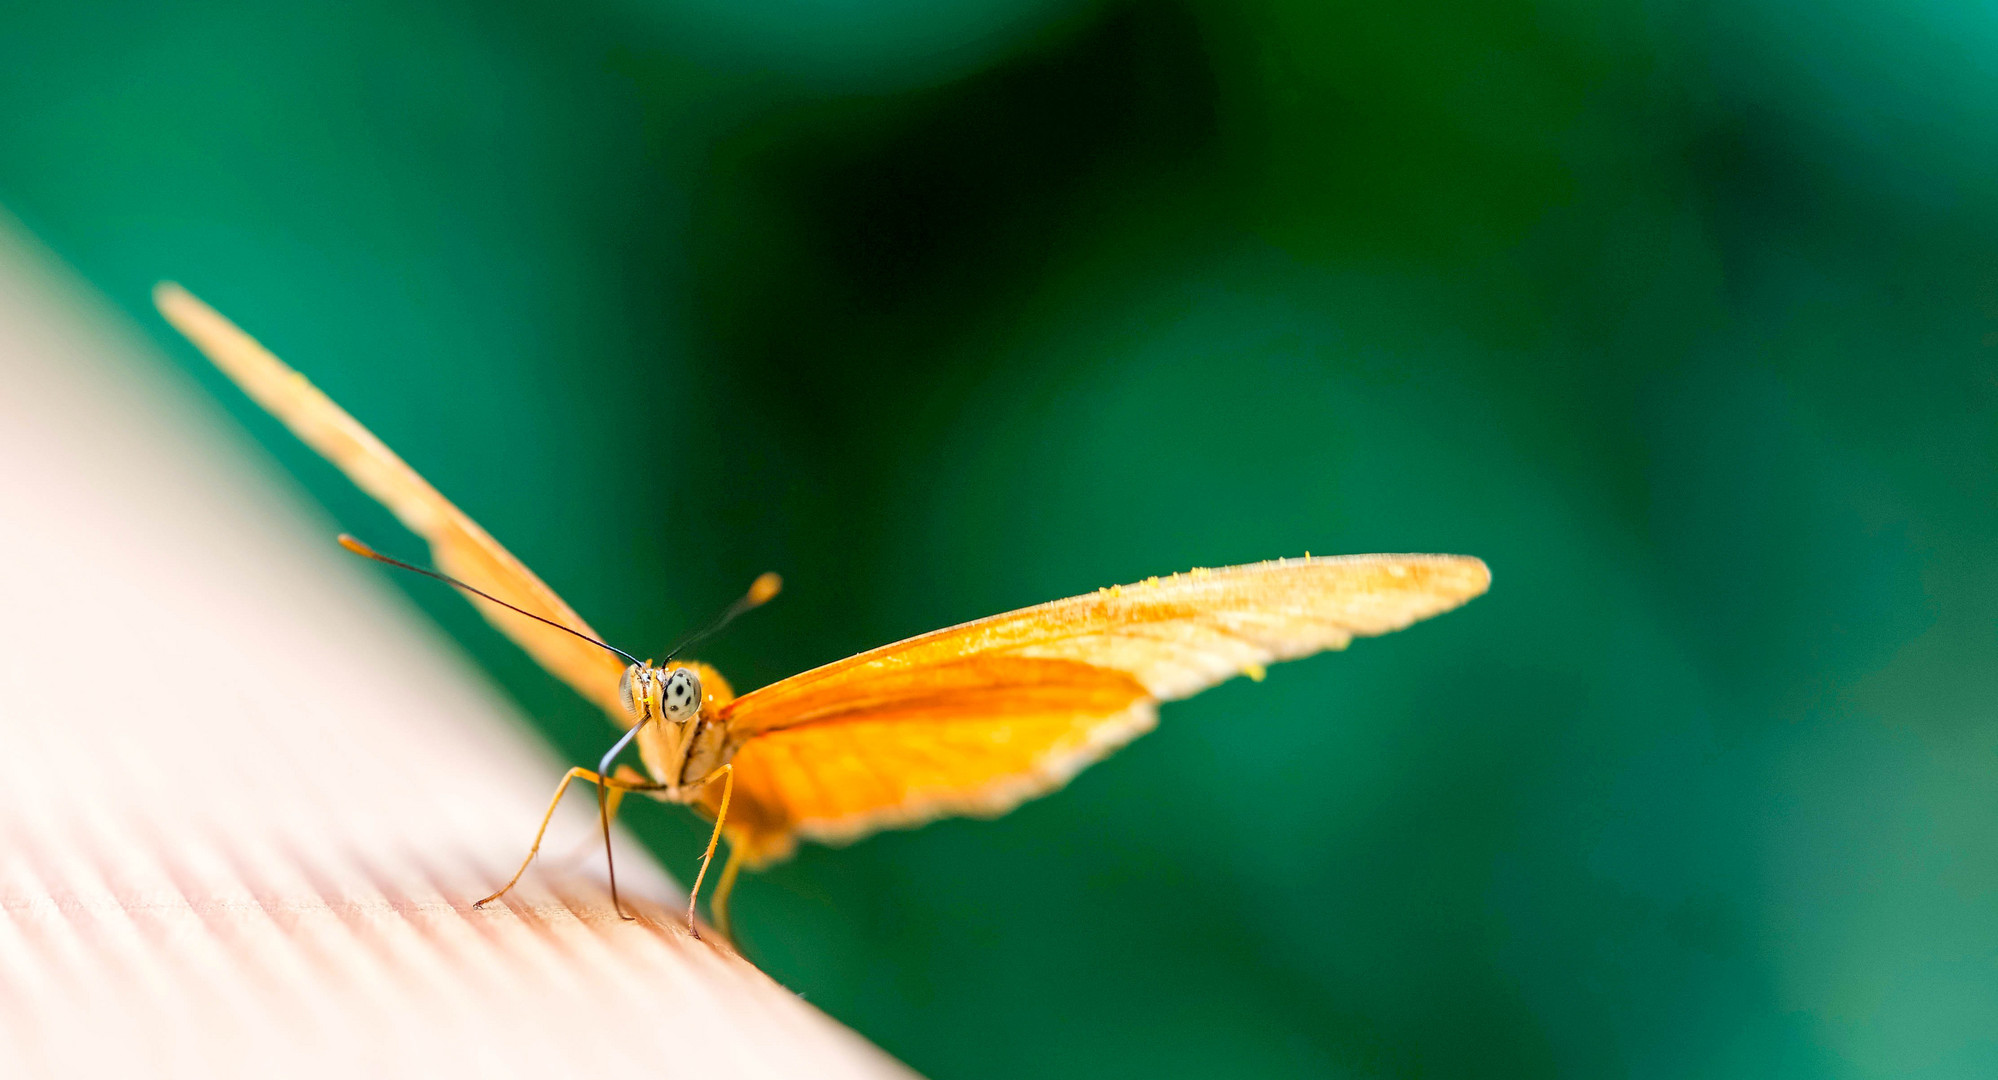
{"type": "Point", "coordinates": [681, 697]}
{"type": "Point", "coordinates": [624, 685]}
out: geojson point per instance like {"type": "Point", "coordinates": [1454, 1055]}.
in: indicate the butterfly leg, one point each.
{"type": "Point", "coordinates": [610, 861]}
{"type": "Point", "coordinates": [585, 847]}
{"type": "Point", "coordinates": [718, 906]}
{"type": "Point", "coordinates": [631, 780]}
{"type": "Point", "coordinates": [606, 806]}
{"type": "Point", "coordinates": [624, 780]}
{"type": "Point", "coordinates": [618, 784]}
{"type": "Point", "coordinates": [727, 773]}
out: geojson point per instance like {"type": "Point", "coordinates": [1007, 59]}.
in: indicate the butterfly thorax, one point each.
{"type": "Point", "coordinates": [679, 752]}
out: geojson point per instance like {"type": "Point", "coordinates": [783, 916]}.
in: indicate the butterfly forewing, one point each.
{"type": "Point", "coordinates": [458, 546]}
{"type": "Point", "coordinates": [977, 718]}
{"type": "Point", "coordinates": [1174, 636]}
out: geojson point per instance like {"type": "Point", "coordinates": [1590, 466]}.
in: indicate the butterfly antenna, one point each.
{"type": "Point", "coordinates": [766, 586]}
{"type": "Point", "coordinates": [366, 552]}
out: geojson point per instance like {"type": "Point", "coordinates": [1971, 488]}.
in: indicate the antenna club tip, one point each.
{"type": "Point", "coordinates": [357, 547]}
{"type": "Point", "coordinates": [764, 588]}
{"type": "Point", "coordinates": [175, 302]}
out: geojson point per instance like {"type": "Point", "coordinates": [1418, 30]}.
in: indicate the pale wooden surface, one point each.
{"type": "Point", "coordinates": [247, 795]}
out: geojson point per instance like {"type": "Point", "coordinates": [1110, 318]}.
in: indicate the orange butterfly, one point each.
{"type": "Point", "coordinates": [974, 719]}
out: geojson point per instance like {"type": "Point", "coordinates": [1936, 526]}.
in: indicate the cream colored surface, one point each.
{"type": "Point", "coordinates": [247, 795]}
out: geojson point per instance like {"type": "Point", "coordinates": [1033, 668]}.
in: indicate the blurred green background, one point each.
{"type": "Point", "coordinates": [1684, 317]}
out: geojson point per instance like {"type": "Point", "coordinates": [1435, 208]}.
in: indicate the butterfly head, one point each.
{"type": "Point", "coordinates": [674, 694]}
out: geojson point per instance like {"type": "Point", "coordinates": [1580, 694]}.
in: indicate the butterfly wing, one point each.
{"type": "Point", "coordinates": [978, 718]}
{"type": "Point", "coordinates": [458, 545]}
{"type": "Point", "coordinates": [974, 719]}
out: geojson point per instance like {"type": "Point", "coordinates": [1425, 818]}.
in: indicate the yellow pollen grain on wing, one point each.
{"type": "Point", "coordinates": [1255, 671]}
